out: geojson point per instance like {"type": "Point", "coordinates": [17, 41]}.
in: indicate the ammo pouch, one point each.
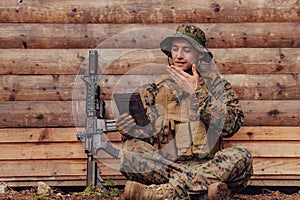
{"type": "Point", "coordinates": [179, 135]}
{"type": "Point", "coordinates": [184, 141]}
{"type": "Point", "coordinates": [166, 138]}
{"type": "Point", "coordinates": [191, 140]}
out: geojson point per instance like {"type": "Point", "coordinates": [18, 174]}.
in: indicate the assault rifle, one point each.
{"type": "Point", "coordinates": [96, 124]}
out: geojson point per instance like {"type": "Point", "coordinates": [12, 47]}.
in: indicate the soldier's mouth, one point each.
{"type": "Point", "coordinates": [180, 63]}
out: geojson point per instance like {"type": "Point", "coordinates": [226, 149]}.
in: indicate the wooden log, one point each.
{"type": "Point", "coordinates": [49, 87]}
{"type": "Point", "coordinates": [51, 144]}
{"type": "Point", "coordinates": [121, 61]}
{"type": "Point", "coordinates": [42, 168]}
{"type": "Point", "coordinates": [38, 113]}
{"type": "Point", "coordinates": [154, 11]}
{"type": "Point", "coordinates": [49, 151]}
{"type": "Point", "coordinates": [42, 61]}
{"type": "Point", "coordinates": [45, 135]}
{"type": "Point", "coordinates": [75, 150]}
{"type": "Point", "coordinates": [272, 177]}
{"type": "Point", "coordinates": [55, 168]}
{"type": "Point", "coordinates": [271, 113]}
{"type": "Point", "coordinates": [263, 149]}
{"type": "Point", "coordinates": [265, 87]}
{"type": "Point", "coordinates": [248, 87]}
{"type": "Point", "coordinates": [281, 181]}
{"type": "Point", "coordinates": [71, 87]}
{"type": "Point", "coordinates": [276, 166]}
{"type": "Point", "coordinates": [228, 61]}
{"type": "Point", "coordinates": [54, 135]}
{"type": "Point", "coordinates": [42, 151]}
{"type": "Point", "coordinates": [47, 36]}
{"type": "Point", "coordinates": [270, 167]}
{"type": "Point", "coordinates": [267, 133]}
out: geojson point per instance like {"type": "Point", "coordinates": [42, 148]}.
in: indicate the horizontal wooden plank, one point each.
{"type": "Point", "coordinates": [37, 113]}
{"type": "Point", "coordinates": [49, 151]}
{"type": "Point", "coordinates": [68, 87]}
{"type": "Point", "coordinates": [228, 61]}
{"type": "Point", "coordinates": [265, 87]}
{"type": "Point", "coordinates": [131, 61]}
{"type": "Point", "coordinates": [265, 169]}
{"type": "Point", "coordinates": [248, 87]}
{"type": "Point", "coordinates": [283, 167]}
{"type": "Point", "coordinates": [154, 11]}
{"type": "Point", "coordinates": [274, 182]}
{"type": "Point", "coordinates": [265, 143]}
{"type": "Point", "coordinates": [257, 112]}
{"type": "Point", "coordinates": [42, 168]}
{"type": "Point", "coordinates": [121, 181]}
{"type": "Point", "coordinates": [267, 133]}
{"type": "Point", "coordinates": [273, 177]}
{"type": "Point", "coordinates": [271, 113]}
{"type": "Point", "coordinates": [42, 61]}
{"type": "Point", "coordinates": [51, 87]}
{"type": "Point", "coordinates": [282, 149]}
{"type": "Point", "coordinates": [276, 166]}
{"type": "Point", "coordinates": [45, 151]}
{"type": "Point", "coordinates": [75, 150]}
{"type": "Point", "coordinates": [53, 168]}
{"type": "Point", "coordinates": [45, 135]}
{"type": "Point", "coordinates": [56, 36]}
{"type": "Point", "coordinates": [53, 135]}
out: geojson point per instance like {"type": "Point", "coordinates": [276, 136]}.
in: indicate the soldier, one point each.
{"type": "Point", "coordinates": [191, 109]}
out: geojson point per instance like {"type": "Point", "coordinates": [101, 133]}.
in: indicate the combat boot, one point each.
{"type": "Point", "coordinates": [138, 191]}
{"type": "Point", "coordinates": [219, 190]}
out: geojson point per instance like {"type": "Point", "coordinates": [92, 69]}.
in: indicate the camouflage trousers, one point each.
{"type": "Point", "coordinates": [141, 162]}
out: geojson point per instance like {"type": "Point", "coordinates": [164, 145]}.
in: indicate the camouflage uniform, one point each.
{"type": "Point", "coordinates": [182, 147]}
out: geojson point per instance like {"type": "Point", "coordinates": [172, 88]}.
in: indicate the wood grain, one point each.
{"type": "Point", "coordinates": [72, 87]}
{"type": "Point", "coordinates": [120, 61]}
{"type": "Point", "coordinates": [153, 11]}
{"type": "Point", "coordinates": [37, 113]}
{"type": "Point", "coordinates": [66, 36]}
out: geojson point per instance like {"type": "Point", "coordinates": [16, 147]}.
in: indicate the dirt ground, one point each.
{"type": "Point", "coordinates": [31, 194]}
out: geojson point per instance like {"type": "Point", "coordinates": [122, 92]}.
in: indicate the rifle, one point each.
{"type": "Point", "coordinates": [96, 124]}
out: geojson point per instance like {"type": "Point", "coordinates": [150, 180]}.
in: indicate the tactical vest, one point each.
{"type": "Point", "coordinates": [182, 136]}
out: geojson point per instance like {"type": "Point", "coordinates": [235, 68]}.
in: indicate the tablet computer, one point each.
{"type": "Point", "coordinates": [132, 104]}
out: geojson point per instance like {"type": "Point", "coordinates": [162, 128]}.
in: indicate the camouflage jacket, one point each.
{"type": "Point", "coordinates": [215, 103]}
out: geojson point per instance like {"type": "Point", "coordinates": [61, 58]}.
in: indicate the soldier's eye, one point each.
{"type": "Point", "coordinates": [174, 49]}
{"type": "Point", "coordinates": [187, 50]}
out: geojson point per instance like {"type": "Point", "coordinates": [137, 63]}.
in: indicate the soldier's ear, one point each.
{"type": "Point", "coordinates": [205, 56]}
{"type": "Point", "coordinates": [201, 55]}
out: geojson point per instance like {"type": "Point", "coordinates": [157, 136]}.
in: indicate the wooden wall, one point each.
{"type": "Point", "coordinates": [43, 44]}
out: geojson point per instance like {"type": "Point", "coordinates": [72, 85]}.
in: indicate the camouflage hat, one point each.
{"type": "Point", "coordinates": [193, 34]}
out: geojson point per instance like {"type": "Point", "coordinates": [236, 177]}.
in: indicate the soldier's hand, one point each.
{"type": "Point", "coordinates": [125, 124]}
{"type": "Point", "coordinates": [188, 83]}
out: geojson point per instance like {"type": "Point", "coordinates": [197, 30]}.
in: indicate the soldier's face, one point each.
{"type": "Point", "coordinates": [184, 55]}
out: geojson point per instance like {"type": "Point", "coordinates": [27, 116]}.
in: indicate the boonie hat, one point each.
{"type": "Point", "coordinates": [193, 34]}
